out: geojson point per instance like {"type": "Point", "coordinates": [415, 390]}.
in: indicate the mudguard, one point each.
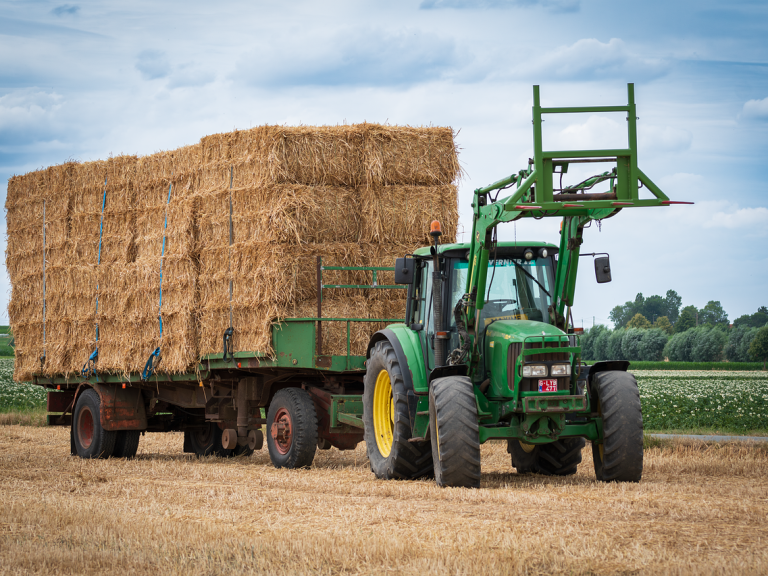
{"type": "Point", "coordinates": [405, 343]}
{"type": "Point", "coordinates": [121, 408]}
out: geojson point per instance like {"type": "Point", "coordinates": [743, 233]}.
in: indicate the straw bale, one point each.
{"type": "Point", "coordinates": [179, 341]}
{"type": "Point", "coordinates": [28, 338]}
{"type": "Point", "coordinates": [253, 328]}
{"type": "Point", "coordinates": [22, 189]}
{"type": "Point", "coordinates": [411, 156]}
{"type": "Point", "coordinates": [23, 216]}
{"type": "Point", "coordinates": [295, 213]}
{"type": "Point", "coordinates": [335, 333]}
{"type": "Point", "coordinates": [26, 303]}
{"type": "Point", "coordinates": [403, 214]}
{"type": "Point", "coordinates": [316, 156]}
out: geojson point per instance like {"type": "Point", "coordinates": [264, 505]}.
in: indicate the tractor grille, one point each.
{"type": "Point", "coordinates": [532, 384]}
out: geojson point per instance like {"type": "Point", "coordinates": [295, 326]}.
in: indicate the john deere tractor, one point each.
{"type": "Point", "coordinates": [488, 350]}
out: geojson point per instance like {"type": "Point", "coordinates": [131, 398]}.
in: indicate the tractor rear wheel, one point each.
{"type": "Point", "coordinates": [455, 432]}
{"type": "Point", "coordinates": [619, 458]}
{"type": "Point", "coordinates": [90, 438]}
{"type": "Point", "coordinates": [387, 420]}
{"type": "Point", "coordinates": [558, 458]}
{"type": "Point", "coordinates": [292, 429]}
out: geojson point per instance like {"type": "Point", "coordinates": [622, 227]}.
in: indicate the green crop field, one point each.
{"type": "Point", "coordinates": [734, 402]}
{"type": "Point", "coordinates": [18, 397]}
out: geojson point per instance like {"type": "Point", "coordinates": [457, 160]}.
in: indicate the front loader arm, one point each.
{"type": "Point", "coordinates": [534, 196]}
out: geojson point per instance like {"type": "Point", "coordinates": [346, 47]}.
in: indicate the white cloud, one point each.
{"type": "Point", "coordinates": [552, 5]}
{"type": "Point", "coordinates": [367, 57]}
{"type": "Point", "coordinates": [605, 131]}
{"type": "Point", "coordinates": [153, 64]}
{"type": "Point", "coordinates": [757, 109]}
{"type": "Point", "coordinates": [589, 59]}
{"type": "Point", "coordinates": [750, 221]}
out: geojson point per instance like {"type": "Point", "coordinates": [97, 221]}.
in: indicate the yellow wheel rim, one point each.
{"type": "Point", "coordinates": [528, 448]}
{"type": "Point", "coordinates": [383, 414]}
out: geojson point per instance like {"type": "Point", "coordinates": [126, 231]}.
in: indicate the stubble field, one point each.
{"type": "Point", "coordinates": [700, 509]}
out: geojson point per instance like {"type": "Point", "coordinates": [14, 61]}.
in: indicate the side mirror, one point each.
{"type": "Point", "coordinates": [404, 270]}
{"type": "Point", "coordinates": [603, 270]}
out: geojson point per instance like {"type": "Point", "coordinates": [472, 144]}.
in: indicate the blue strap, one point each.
{"type": "Point", "coordinates": [162, 254]}
{"type": "Point", "coordinates": [150, 366]}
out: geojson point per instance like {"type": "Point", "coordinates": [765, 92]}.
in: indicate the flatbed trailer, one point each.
{"type": "Point", "coordinates": [224, 404]}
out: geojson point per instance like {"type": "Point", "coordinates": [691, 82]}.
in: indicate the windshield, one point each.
{"type": "Point", "coordinates": [516, 289]}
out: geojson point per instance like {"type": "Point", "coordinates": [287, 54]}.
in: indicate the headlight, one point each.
{"type": "Point", "coordinates": [561, 370]}
{"type": "Point", "coordinates": [534, 370]}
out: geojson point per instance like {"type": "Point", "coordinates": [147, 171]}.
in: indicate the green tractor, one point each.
{"type": "Point", "coordinates": [488, 350]}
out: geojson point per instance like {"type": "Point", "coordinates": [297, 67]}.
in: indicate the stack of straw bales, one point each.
{"type": "Point", "coordinates": [356, 195]}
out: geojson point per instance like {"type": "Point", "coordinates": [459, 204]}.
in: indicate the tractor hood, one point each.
{"type": "Point", "coordinates": [519, 330]}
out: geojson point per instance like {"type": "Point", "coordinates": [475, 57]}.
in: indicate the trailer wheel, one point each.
{"type": "Point", "coordinates": [206, 441]}
{"type": "Point", "coordinates": [91, 440]}
{"type": "Point", "coordinates": [558, 458]}
{"type": "Point", "coordinates": [620, 456]}
{"type": "Point", "coordinates": [126, 443]}
{"type": "Point", "coordinates": [455, 432]}
{"type": "Point", "coordinates": [387, 421]}
{"type": "Point", "coordinates": [292, 429]}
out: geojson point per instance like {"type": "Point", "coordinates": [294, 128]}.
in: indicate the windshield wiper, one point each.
{"type": "Point", "coordinates": [532, 278]}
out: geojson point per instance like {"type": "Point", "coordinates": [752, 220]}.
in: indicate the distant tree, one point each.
{"type": "Point", "coordinates": [663, 324]}
{"type": "Point", "coordinates": [653, 307]}
{"type": "Point", "coordinates": [758, 349]}
{"type": "Point", "coordinates": [630, 343]}
{"type": "Point", "coordinates": [652, 345]}
{"type": "Point", "coordinates": [620, 315]}
{"type": "Point", "coordinates": [713, 314]}
{"type": "Point", "coordinates": [588, 342]}
{"type": "Point", "coordinates": [614, 346]}
{"type": "Point", "coordinates": [679, 347]}
{"type": "Point", "coordinates": [708, 344]}
{"type": "Point", "coordinates": [639, 321]}
{"type": "Point", "coordinates": [739, 339]}
{"type": "Point", "coordinates": [673, 302]}
{"type": "Point", "coordinates": [600, 345]}
{"type": "Point", "coordinates": [756, 320]}
{"type": "Point", "coordinates": [687, 319]}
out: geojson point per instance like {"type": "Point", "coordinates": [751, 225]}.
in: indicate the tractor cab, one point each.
{"type": "Point", "coordinates": [520, 284]}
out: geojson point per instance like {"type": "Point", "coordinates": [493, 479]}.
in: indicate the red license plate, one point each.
{"type": "Point", "coordinates": [547, 385]}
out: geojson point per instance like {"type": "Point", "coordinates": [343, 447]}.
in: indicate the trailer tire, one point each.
{"type": "Point", "coordinates": [91, 440]}
{"type": "Point", "coordinates": [243, 450]}
{"type": "Point", "coordinates": [390, 453]}
{"type": "Point", "coordinates": [126, 443]}
{"type": "Point", "coordinates": [620, 456]}
{"type": "Point", "coordinates": [455, 432]}
{"type": "Point", "coordinates": [206, 441]}
{"type": "Point", "coordinates": [292, 429]}
{"type": "Point", "coordinates": [558, 458]}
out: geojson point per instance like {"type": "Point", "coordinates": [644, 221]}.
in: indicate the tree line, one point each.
{"type": "Point", "coordinates": [655, 328]}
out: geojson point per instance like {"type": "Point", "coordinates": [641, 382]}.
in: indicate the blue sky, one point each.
{"type": "Point", "coordinates": [83, 80]}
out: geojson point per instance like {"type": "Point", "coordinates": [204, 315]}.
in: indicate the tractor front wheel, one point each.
{"type": "Point", "coordinates": [455, 432]}
{"type": "Point", "coordinates": [387, 420]}
{"type": "Point", "coordinates": [619, 458]}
